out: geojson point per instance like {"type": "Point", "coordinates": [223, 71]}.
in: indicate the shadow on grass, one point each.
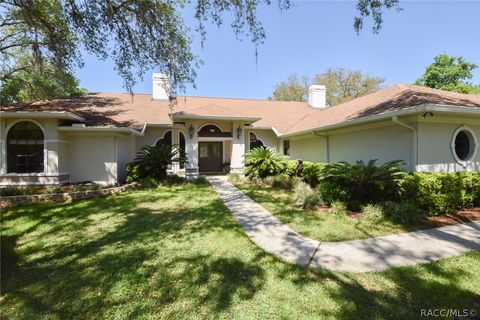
{"type": "Point", "coordinates": [154, 255]}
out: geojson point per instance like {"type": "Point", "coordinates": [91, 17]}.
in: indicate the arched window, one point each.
{"type": "Point", "coordinates": [255, 142]}
{"type": "Point", "coordinates": [165, 140]}
{"type": "Point", "coordinates": [209, 130]}
{"type": "Point", "coordinates": [25, 148]}
{"type": "Point", "coordinates": [181, 139]}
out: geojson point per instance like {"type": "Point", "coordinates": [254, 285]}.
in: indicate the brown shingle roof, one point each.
{"type": "Point", "coordinates": [383, 101]}
{"type": "Point", "coordinates": [126, 110]}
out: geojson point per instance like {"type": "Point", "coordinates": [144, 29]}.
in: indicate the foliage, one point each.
{"type": "Point", "coordinates": [406, 213]}
{"type": "Point", "coordinates": [263, 162]}
{"type": "Point", "coordinates": [373, 8]}
{"type": "Point", "coordinates": [154, 161]}
{"type": "Point", "coordinates": [449, 73]}
{"type": "Point", "coordinates": [55, 190]}
{"type": "Point", "coordinates": [442, 193]}
{"type": "Point", "coordinates": [149, 182]}
{"type": "Point", "coordinates": [304, 195]}
{"type": "Point", "coordinates": [283, 181]}
{"type": "Point", "coordinates": [9, 191]}
{"type": "Point", "coordinates": [361, 183]}
{"type": "Point", "coordinates": [339, 208]}
{"type": "Point", "coordinates": [233, 177]}
{"type": "Point", "coordinates": [45, 83]}
{"type": "Point", "coordinates": [341, 85]}
{"type": "Point", "coordinates": [312, 201]}
{"type": "Point", "coordinates": [94, 187]}
{"type": "Point", "coordinates": [290, 168]}
{"type": "Point", "coordinates": [294, 89]}
{"type": "Point", "coordinates": [312, 172]}
{"type": "Point", "coordinates": [201, 180]}
{"type": "Point", "coordinates": [133, 172]}
{"type": "Point", "coordinates": [373, 212]}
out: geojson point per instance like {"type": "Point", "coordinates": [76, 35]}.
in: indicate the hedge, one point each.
{"type": "Point", "coordinates": [442, 193]}
{"type": "Point", "coordinates": [311, 171]}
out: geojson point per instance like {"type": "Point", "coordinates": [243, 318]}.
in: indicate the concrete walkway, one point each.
{"type": "Point", "coordinates": [373, 254]}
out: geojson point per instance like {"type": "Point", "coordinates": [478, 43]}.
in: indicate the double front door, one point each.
{"type": "Point", "coordinates": [210, 156]}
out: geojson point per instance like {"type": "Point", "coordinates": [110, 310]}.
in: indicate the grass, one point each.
{"type": "Point", "coordinates": [318, 224]}
{"type": "Point", "coordinates": [177, 253]}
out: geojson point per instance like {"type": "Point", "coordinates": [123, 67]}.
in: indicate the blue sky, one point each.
{"type": "Point", "coordinates": [313, 36]}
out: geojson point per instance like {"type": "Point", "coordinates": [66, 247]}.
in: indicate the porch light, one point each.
{"type": "Point", "coordinates": [191, 131]}
{"type": "Point", "coordinates": [239, 132]}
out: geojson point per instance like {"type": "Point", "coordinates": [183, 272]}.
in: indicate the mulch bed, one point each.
{"type": "Point", "coordinates": [462, 216]}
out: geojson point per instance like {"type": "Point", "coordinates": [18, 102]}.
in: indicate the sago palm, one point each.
{"type": "Point", "coordinates": [263, 162]}
{"type": "Point", "coordinates": [154, 160]}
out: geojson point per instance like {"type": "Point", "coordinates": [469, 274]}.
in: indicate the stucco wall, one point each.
{"type": "Point", "coordinates": [387, 143]}
{"type": "Point", "coordinates": [310, 149]}
{"type": "Point", "coordinates": [434, 145]}
{"type": "Point", "coordinates": [150, 136]}
{"type": "Point", "coordinates": [93, 158]}
{"type": "Point", "coordinates": [267, 136]}
{"type": "Point", "coordinates": [125, 154]}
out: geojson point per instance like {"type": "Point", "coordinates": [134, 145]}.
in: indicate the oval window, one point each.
{"type": "Point", "coordinates": [464, 145]}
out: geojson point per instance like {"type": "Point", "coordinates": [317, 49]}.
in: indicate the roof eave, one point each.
{"type": "Point", "coordinates": [214, 117]}
{"type": "Point", "coordinates": [383, 116]}
{"type": "Point", "coordinates": [100, 129]}
{"type": "Point", "coordinates": [42, 114]}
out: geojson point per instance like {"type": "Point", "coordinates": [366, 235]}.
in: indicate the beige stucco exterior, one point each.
{"type": "Point", "coordinates": [78, 155]}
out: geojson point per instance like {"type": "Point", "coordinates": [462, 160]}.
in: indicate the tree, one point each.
{"type": "Point", "coordinates": [449, 73]}
{"type": "Point", "coordinates": [139, 35]}
{"type": "Point", "coordinates": [294, 89]}
{"type": "Point", "coordinates": [341, 84]}
{"type": "Point", "coordinates": [46, 83]}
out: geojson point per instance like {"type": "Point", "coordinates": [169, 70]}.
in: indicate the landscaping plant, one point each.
{"type": "Point", "coordinates": [263, 162]}
{"type": "Point", "coordinates": [154, 161]}
{"type": "Point", "coordinates": [361, 183]}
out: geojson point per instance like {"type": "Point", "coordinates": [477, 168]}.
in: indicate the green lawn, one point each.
{"type": "Point", "coordinates": [177, 253]}
{"type": "Point", "coordinates": [318, 224]}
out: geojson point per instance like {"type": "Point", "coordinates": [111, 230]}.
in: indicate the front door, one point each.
{"type": "Point", "coordinates": [210, 156]}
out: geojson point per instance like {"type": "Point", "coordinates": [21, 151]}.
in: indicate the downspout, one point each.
{"type": "Point", "coordinates": [327, 141]}
{"type": "Point", "coordinates": [414, 141]}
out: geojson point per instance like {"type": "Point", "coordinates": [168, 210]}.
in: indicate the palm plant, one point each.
{"type": "Point", "coordinates": [154, 160]}
{"type": "Point", "coordinates": [263, 162]}
{"type": "Point", "coordinates": [362, 182]}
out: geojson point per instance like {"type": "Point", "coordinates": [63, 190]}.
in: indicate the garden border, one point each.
{"type": "Point", "coordinates": [67, 197]}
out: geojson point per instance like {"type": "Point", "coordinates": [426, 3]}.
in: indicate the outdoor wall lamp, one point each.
{"type": "Point", "coordinates": [191, 131]}
{"type": "Point", "coordinates": [239, 132]}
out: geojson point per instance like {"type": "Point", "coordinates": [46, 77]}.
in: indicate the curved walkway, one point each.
{"type": "Point", "coordinates": [373, 254]}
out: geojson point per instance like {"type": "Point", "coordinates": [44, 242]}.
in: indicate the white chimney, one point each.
{"type": "Point", "coordinates": [161, 86]}
{"type": "Point", "coordinates": [317, 96]}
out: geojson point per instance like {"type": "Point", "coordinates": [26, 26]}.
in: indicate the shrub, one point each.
{"type": "Point", "coordinates": [201, 180]}
{"type": "Point", "coordinates": [442, 193]}
{"type": "Point", "coordinates": [154, 160]}
{"type": "Point", "coordinates": [173, 180]}
{"type": "Point", "coordinates": [55, 190]}
{"type": "Point", "coordinates": [11, 191]}
{"type": "Point", "coordinates": [290, 168]}
{"type": "Point", "coordinates": [29, 190]}
{"type": "Point", "coordinates": [312, 201]}
{"type": "Point", "coordinates": [149, 182]}
{"type": "Point", "coordinates": [301, 191]}
{"type": "Point", "coordinates": [283, 181]}
{"type": "Point", "coordinates": [339, 208]}
{"type": "Point", "coordinates": [373, 212]}
{"type": "Point", "coordinates": [77, 188]}
{"type": "Point", "coordinates": [263, 162]}
{"type": "Point", "coordinates": [94, 187]}
{"type": "Point", "coordinates": [133, 172]}
{"type": "Point", "coordinates": [312, 172]}
{"type": "Point", "coordinates": [361, 183]}
{"type": "Point", "coordinates": [405, 212]}
{"type": "Point", "coordinates": [233, 178]}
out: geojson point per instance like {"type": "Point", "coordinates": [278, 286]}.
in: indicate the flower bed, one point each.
{"type": "Point", "coordinates": [62, 197]}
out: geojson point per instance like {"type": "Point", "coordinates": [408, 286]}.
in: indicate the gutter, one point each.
{"type": "Point", "coordinates": [414, 141]}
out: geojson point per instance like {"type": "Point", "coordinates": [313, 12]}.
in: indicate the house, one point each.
{"type": "Point", "coordinates": [93, 137]}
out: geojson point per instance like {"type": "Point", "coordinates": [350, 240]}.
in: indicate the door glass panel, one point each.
{"type": "Point", "coordinates": [216, 151]}
{"type": "Point", "coordinates": [203, 151]}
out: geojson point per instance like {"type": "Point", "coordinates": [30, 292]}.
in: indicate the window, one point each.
{"type": "Point", "coordinates": [286, 147]}
{"type": "Point", "coordinates": [166, 140]}
{"type": "Point", "coordinates": [255, 142]}
{"type": "Point", "coordinates": [181, 139]}
{"type": "Point", "coordinates": [464, 145]}
{"type": "Point", "coordinates": [210, 130]}
{"type": "Point", "coordinates": [25, 148]}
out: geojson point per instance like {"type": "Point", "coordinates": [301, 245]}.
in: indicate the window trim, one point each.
{"type": "Point", "coordinates": [163, 137]}
{"type": "Point", "coordinates": [5, 147]}
{"type": "Point", "coordinates": [257, 138]}
{"type": "Point", "coordinates": [474, 144]}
